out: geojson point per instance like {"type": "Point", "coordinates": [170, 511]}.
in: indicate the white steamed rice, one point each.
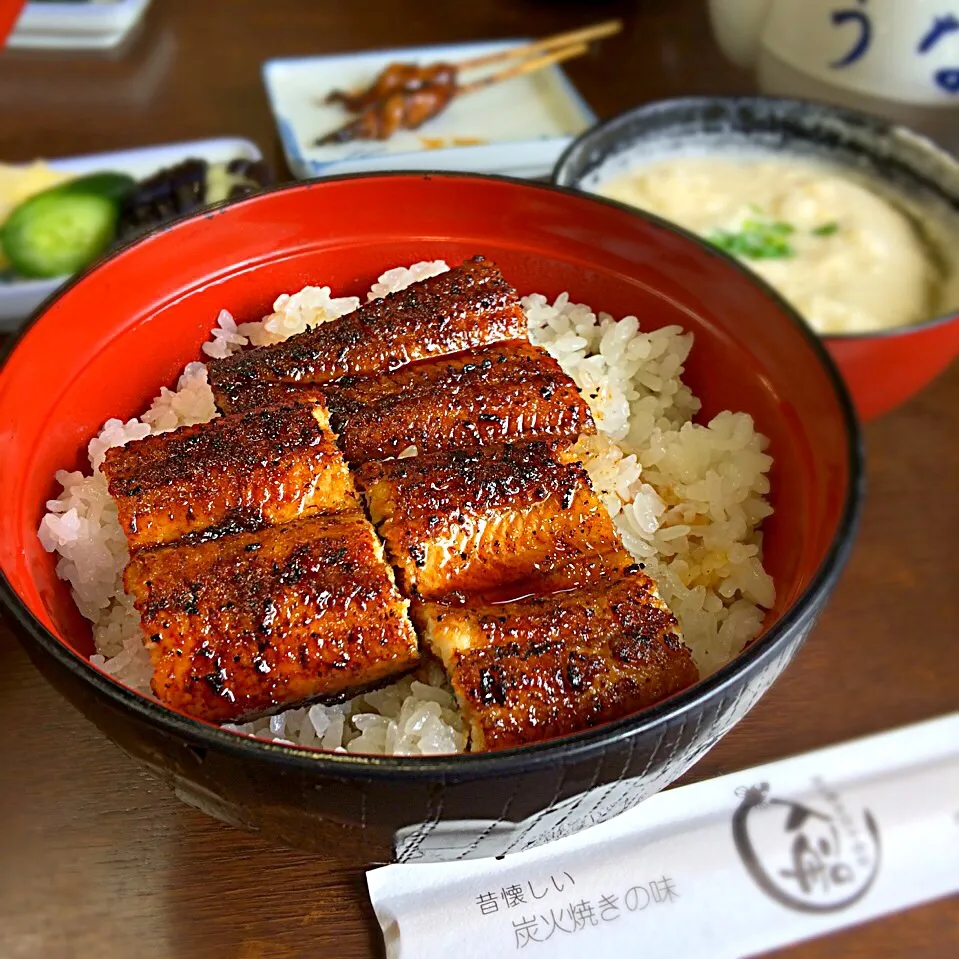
{"type": "Point", "coordinates": [688, 500]}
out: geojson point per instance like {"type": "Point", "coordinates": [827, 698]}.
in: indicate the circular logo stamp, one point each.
{"type": "Point", "coordinates": [812, 856]}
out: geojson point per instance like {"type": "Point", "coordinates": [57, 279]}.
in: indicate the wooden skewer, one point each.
{"type": "Point", "coordinates": [527, 66]}
{"type": "Point", "coordinates": [583, 35]}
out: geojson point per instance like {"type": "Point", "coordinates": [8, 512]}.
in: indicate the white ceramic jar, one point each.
{"type": "Point", "coordinates": [896, 58]}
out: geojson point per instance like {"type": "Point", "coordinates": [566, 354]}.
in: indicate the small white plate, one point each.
{"type": "Point", "coordinates": [94, 25]}
{"type": "Point", "coordinates": [19, 298]}
{"type": "Point", "coordinates": [523, 124]}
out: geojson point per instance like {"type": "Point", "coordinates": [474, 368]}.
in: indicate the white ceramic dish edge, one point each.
{"type": "Point", "coordinates": [76, 26]}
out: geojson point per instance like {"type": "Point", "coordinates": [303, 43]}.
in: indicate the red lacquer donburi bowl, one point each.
{"type": "Point", "coordinates": [105, 345]}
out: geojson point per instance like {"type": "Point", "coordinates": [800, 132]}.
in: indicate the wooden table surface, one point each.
{"type": "Point", "coordinates": [98, 861]}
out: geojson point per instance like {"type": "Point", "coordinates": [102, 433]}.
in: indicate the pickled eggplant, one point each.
{"type": "Point", "coordinates": [185, 188]}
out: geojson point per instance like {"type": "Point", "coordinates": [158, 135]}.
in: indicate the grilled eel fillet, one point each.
{"type": "Point", "coordinates": [264, 466]}
{"type": "Point", "coordinates": [521, 584]}
{"type": "Point", "coordinates": [469, 522]}
{"type": "Point", "coordinates": [467, 307]}
{"type": "Point", "coordinates": [496, 394]}
{"type": "Point", "coordinates": [550, 665]}
{"type": "Point", "coordinates": [258, 622]}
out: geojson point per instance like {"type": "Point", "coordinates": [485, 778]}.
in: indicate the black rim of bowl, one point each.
{"type": "Point", "coordinates": [875, 124]}
{"type": "Point", "coordinates": [470, 766]}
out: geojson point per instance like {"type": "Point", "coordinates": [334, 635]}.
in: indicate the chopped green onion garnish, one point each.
{"type": "Point", "coordinates": [827, 229]}
{"type": "Point", "coordinates": [756, 240]}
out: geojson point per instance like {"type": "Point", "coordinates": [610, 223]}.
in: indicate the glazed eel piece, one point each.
{"type": "Point", "coordinates": [550, 665]}
{"type": "Point", "coordinates": [496, 394]}
{"type": "Point", "coordinates": [469, 522]}
{"type": "Point", "coordinates": [258, 622]}
{"type": "Point", "coordinates": [462, 309]}
{"type": "Point", "coordinates": [522, 587]}
{"type": "Point", "coordinates": [261, 467]}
